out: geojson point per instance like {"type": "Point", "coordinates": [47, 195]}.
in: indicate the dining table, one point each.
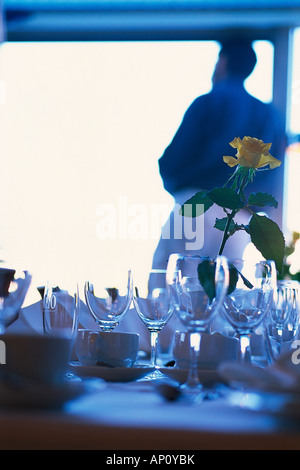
{"type": "Point", "coordinates": [124, 412]}
{"type": "Point", "coordinates": [118, 416]}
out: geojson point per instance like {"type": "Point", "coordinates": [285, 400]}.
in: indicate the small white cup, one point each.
{"type": "Point", "coordinates": [111, 348]}
{"type": "Point", "coordinates": [35, 357]}
{"type": "Point", "coordinates": [214, 349]}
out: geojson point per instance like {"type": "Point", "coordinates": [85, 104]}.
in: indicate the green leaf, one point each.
{"type": "Point", "coordinates": [233, 279]}
{"type": "Point", "coordinates": [220, 224]}
{"type": "Point", "coordinates": [206, 275]}
{"type": "Point", "coordinates": [262, 199]}
{"type": "Point", "coordinates": [196, 205]}
{"type": "Point", "coordinates": [268, 239]}
{"type": "Point", "coordinates": [226, 197]}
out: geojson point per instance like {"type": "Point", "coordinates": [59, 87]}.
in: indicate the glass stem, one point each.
{"type": "Point", "coordinates": [268, 347]}
{"type": "Point", "coordinates": [193, 377]}
{"type": "Point", "coordinates": [153, 342]}
{"type": "Point", "coordinates": [245, 355]}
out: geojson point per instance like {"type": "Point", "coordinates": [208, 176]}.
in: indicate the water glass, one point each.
{"type": "Point", "coordinates": [198, 286]}
{"type": "Point", "coordinates": [283, 320]}
{"type": "Point", "coordinates": [61, 311]}
{"type": "Point", "coordinates": [249, 299]}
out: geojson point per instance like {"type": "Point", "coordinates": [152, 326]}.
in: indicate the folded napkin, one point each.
{"type": "Point", "coordinates": [30, 319]}
{"type": "Point", "coordinates": [282, 376]}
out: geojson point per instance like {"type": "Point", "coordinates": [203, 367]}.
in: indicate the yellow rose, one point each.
{"type": "Point", "coordinates": [251, 153]}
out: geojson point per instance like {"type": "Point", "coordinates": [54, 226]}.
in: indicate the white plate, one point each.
{"type": "Point", "coordinates": [279, 404]}
{"type": "Point", "coordinates": [206, 377]}
{"type": "Point", "coordinates": [37, 395]}
{"type": "Point", "coordinates": [110, 374]}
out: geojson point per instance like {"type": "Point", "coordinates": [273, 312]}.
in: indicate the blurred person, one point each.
{"type": "Point", "coordinates": [194, 159]}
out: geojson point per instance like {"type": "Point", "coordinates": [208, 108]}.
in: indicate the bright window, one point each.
{"type": "Point", "coordinates": [292, 215]}
{"type": "Point", "coordinates": [295, 91]}
{"type": "Point", "coordinates": [82, 127]}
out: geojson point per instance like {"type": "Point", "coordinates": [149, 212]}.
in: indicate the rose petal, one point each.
{"type": "Point", "coordinates": [269, 160]}
{"type": "Point", "coordinates": [231, 161]}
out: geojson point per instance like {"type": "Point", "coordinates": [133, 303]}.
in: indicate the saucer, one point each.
{"type": "Point", "coordinates": [32, 395]}
{"type": "Point", "coordinates": [110, 374]}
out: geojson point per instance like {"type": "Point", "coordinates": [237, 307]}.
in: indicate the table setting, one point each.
{"type": "Point", "coordinates": [90, 380]}
{"type": "Point", "coordinates": [88, 357]}
{"type": "Point", "coordinates": [59, 348]}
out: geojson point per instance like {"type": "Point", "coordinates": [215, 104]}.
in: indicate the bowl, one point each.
{"type": "Point", "coordinates": [110, 348]}
{"type": "Point", "coordinates": [34, 356]}
{"type": "Point", "coordinates": [214, 349]}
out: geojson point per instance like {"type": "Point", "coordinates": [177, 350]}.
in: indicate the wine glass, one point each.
{"type": "Point", "coordinates": [198, 287]}
{"type": "Point", "coordinates": [250, 296]}
{"type": "Point", "coordinates": [283, 319]}
{"type": "Point", "coordinates": [13, 290]}
{"type": "Point", "coordinates": [152, 301]}
{"type": "Point", "coordinates": [61, 310]}
{"type": "Point", "coordinates": [108, 305]}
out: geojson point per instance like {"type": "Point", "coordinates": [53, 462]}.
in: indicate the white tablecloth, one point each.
{"type": "Point", "coordinates": [132, 416]}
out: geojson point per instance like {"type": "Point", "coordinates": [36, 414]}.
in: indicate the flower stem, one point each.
{"type": "Point", "coordinates": [245, 180]}
{"type": "Point", "coordinates": [226, 235]}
